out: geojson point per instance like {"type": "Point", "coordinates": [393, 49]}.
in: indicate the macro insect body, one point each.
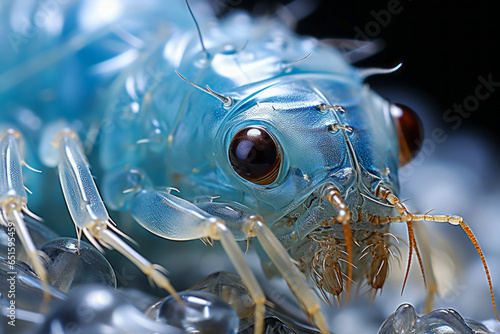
{"type": "Point", "coordinates": [285, 145]}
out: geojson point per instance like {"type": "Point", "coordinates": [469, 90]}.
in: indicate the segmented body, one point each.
{"type": "Point", "coordinates": [108, 71]}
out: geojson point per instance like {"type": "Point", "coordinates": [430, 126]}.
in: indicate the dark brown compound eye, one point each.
{"type": "Point", "coordinates": [255, 155]}
{"type": "Point", "coordinates": [410, 132]}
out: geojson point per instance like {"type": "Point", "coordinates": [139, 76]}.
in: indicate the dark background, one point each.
{"type": "Point", "coordinates": [444, 46]}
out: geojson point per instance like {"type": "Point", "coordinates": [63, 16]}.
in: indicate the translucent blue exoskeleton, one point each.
{"type": "Point", "coordinates": [235, 130]}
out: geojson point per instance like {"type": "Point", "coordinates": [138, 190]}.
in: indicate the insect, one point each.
{"type": "Point", "coordinates": [265, 135]}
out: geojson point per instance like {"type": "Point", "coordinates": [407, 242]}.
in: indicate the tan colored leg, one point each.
{"type": "Point", "coordinates": [407, 217]}
{"type": "Point", "coordinates": [220, 232]}
{"type": "Point", "coordinates": [289, 270]}
{"type": "Point", "coordinates": [432, 288]}
{"type": "Point", "coordinates": [332, 195]}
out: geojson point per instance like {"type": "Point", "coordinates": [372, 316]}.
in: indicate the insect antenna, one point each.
{"type": "Point", "coordinates": [474, 241]}
{"type": "Point", "coordinates": [198, 29]}
{"type": "Point", "coordinates": [366, 72]}
{"type": "Point", "coordinates": [228, 101]}
{"type": "Point", "coordinates": [290, 64]}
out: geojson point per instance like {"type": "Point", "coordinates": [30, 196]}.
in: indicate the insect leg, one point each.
{"type": "Point", "coordinates": [234, 252]}
{"type": "Point", "coordinates": [13, 199]}
{"type": "Point", "coordinates": [87, 208]}
{"type": "Point", "coordinates": [174, 218]}
{"type": "Point", "coordinates": [246, 224]}
{"type": "Point", "coordinates": [407, 217]}
{"type": "Point", "coordinates": [289, 270]}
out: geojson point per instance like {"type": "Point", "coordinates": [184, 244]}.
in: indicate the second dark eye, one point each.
{"type": "Point", "coordinates": [255, 155]}
{"type": "Point", "coordinates": [410, 132]}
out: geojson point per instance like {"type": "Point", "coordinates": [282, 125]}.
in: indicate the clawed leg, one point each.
{"type": "Point", "coordinates": [174, 218]}
{"type": "Point", "coordinates": [409, 218]}
{"type": "Point", "coordinates": [289, 270]}
{"type": "Point", "coordinates": [87, 208]}
{"type": "Point", "coordinates": [13, 201]}
{"type": "Point", "coordinates": [251, 225]}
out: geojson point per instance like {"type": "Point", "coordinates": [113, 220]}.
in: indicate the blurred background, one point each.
{"type": "Point", "coordinates": [444, 46]}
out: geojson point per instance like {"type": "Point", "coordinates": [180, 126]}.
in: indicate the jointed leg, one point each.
{"type": "Point", "coordinates": [332, 194]}
{"type": "Point", "coordinates": [246, 224]}
{"type": "Point", "coordinates": [174, 218]}
{"type": "Point", "coordinates": [407, 217]}
{"type": "Point", "coordinates": [221, 232]}
{"type": "Point", "coordinates": [289, 270]}
{"type": "Point", "coordinates": [87, 208]}
{"type": "Point", "coordinates": [13, 200]}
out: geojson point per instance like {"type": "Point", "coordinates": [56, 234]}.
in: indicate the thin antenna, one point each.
{"type": "Point", "coordinates": [366, 72]}
{"type": "Point", "coordinates": [198, 29]}
{"type": "Point", "coordinates": [287, 65]}
{"type": "Point", "coordinates": [228, 101]}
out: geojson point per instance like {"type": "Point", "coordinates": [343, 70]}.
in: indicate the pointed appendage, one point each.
{"type": "Point", "coordinates": [14, 199]}
{"type": "Point", "coordinates": [409, 218]}
{"type": "Point", "coordinates": [87, 208]}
